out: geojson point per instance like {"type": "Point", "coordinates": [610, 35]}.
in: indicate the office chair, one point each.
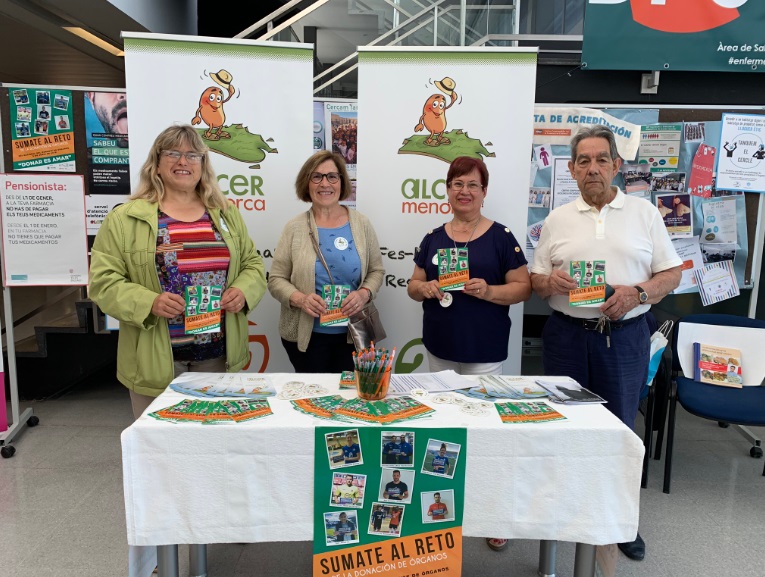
{"type": "Point", "coordinates": [744, 406]}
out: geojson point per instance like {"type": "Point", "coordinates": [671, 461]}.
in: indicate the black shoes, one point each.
{"type": "Point", "coordinates": [635, 550]}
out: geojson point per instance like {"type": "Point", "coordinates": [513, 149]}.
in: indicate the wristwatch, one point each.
{"type": "Point", "coordinates": [642, 295]}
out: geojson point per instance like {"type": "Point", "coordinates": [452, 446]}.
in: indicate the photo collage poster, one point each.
{"type": "Point", "coordinates": [42, 134]}
{"type": "Point", "coordinates": [380, 493]}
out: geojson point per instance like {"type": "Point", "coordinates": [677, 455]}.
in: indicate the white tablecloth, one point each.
{"type": "Point", "coordinates": [572, 480]}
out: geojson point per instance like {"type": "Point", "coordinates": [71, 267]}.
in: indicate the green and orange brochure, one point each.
{"type": "Point", "coordinates": [590, 276]}
{"type": "Point", "coordinates": [347, 380]}
{"type": "Point", "coordinates": [334, 295]}
{"type": "Point", "coordinates": [527, 412]}
{"type": "Point", "coordinates": [453, 269]}
{"type": "Point", "coordinates": [203, 313]}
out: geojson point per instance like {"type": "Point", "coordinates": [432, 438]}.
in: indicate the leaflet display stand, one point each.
{"type": "Point", "coordinates": [27, 418]}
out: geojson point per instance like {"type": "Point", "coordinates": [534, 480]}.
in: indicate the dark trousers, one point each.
{"type": "Point", "coordinates": [326, 353]}
{"type": "Point", "coordinates": [617, 374]}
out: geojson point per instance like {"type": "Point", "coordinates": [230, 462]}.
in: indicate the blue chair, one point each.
{"type": "Point", "coordinates": [745, 406]}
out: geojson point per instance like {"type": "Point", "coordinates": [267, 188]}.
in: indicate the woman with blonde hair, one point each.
{"type": "Point", "coordinates": [175, 238]}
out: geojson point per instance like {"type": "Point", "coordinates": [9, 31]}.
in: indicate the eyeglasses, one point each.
{"type": "Point", "coordinates": [191, 157]}
{"type": "Point", "coordinates": [471, 186]}
{"type": "Point", "coordinates": [332, 177]}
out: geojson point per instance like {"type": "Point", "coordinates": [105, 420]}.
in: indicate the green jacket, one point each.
{"type": "Point", "coordinates": [124, 283]}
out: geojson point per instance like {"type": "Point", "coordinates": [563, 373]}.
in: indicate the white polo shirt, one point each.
{"type": "Point", "coordinates": [628, 233]}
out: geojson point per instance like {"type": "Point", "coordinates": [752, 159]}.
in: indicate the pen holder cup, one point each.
{"type": "Point", "coordinates": [372, 386]}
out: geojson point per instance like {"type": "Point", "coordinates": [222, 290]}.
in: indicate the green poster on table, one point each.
{"type": "Point", "coordinates": [387, 501]}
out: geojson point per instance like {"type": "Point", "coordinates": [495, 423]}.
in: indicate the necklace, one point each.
{"type": "Point", "coordinates": [451, 224]}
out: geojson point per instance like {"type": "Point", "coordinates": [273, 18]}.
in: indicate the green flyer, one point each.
{"type": "Point", "coordinates": [334, 295]}
{"type": "Point", "coordinates": [453, 270]}
{"type": "Point", "coordinates": [203, 312]}
{"type": "Point", "coordinates": [590, 275]}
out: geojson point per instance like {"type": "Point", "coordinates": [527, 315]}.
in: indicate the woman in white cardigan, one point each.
{"type": "Point", "coordinates": [328, 255]}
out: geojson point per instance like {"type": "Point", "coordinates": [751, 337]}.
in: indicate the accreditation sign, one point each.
{"type": "Point", "coordinates": [388, 502]}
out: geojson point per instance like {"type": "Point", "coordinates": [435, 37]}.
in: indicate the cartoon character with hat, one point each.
{"type": "Point", "coordinates": [211, 102]}
{"type": "Point", "coordinates": [434, 113]}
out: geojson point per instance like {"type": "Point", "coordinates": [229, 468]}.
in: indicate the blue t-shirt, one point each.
{"type": "Point", "coordinates": [391, 451]}
{"type": "Point", "coordinates": [440, 464]}
{"type": "Point", "coordinates": [344, 529]}
{"type": "Point", "coordinates": [405, 453]}
{"type": "Point", "coordinates": [351, 452]}
{"type": "Point", "coordinates": [471, 330]}
{"type": "Point", "coordinates": [339, 250]}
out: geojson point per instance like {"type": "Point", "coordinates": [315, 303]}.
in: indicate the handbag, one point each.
{"type": "Point", "coordinates": [365, 326]}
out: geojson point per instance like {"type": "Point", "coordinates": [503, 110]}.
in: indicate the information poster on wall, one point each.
{"type": "Point", "coordinates": [388, 502]}
{"type": "Point", "coordinates": [660, 146]}
{"type": "Point", "coordinates": [741, 158]}
{"type": "Point", "coordinates": [43, 226]}
{"type": "Point", "coordinates": [564, 189]}
{"type": "Point", "coordinates": [341, 122]}
{"type": "Point", "coordinates": [106, 133]}
{"type": "Point", "coordinates": [42, 139]}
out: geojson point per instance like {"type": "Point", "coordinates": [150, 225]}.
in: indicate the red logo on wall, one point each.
{"type": "Point", "coordinates": [261, 340]}
{"type": "Point", "coordinates": [684, 16]}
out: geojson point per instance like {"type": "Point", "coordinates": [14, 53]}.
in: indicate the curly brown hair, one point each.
{"type": "Point", "coordinates": [309, 167]}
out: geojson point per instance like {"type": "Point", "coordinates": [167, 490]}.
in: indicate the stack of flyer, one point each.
{"type": "Point", "coordinates": [532, 412]}
{"type": "Point", "coordinates": [209, 385]}
{"type": "Point", "coordinates": [384, 412]}
{"type": "Point", "coordinates": [214, 412]}
{"type": "Point", "coordinates": [348, 380]}
{"type": "Point", "coordinates": [320, 407]}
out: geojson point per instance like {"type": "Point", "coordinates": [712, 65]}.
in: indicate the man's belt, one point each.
{"type": "Point", "coordinates": [592, 324]}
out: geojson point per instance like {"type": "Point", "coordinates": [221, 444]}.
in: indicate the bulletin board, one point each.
{"type": "Point", "coordinates": [745, 267]}
{"type": "Point", "coordinates": [751, 202]}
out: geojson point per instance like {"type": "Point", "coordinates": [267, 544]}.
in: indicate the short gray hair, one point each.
{"type": "Point", "coordinates": [597, 131]}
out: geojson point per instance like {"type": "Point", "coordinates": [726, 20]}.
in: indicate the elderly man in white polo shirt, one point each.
{"type": "Point", "coordinates": [603, 347]}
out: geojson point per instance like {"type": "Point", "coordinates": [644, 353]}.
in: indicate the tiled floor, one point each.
{"type": "Point", "coordinates": [62, 511]}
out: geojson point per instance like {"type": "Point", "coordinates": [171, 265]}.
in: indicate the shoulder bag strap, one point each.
{"type": "Point", "coordinates": [316, 247]}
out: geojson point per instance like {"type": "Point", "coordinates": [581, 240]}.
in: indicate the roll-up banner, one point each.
{"type": "Point", "coordinates": [267, 116]}
{"type": "Point", "coordinates": [488, 113]}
